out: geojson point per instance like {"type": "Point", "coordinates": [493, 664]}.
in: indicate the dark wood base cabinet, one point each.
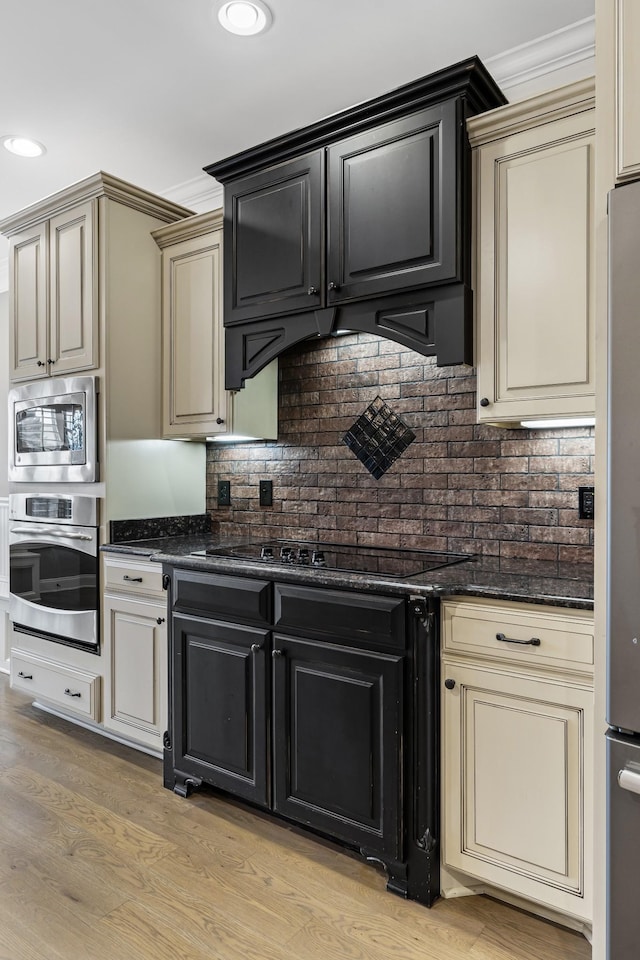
{"type": "Point", "coordinates": [316, 704]}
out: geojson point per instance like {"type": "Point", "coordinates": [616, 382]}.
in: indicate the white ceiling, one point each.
{"type": "Point", "coordinates": [152, 90]}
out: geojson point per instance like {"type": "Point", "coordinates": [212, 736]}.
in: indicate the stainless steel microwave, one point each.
{"type": "Point", "coordinates": [53, 431]}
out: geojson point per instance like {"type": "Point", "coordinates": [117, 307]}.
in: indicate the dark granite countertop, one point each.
{"type": "Point", "coordinates": [539, 581]}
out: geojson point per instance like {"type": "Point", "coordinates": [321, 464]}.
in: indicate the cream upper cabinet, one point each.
{"type": "Point", "coordinates": [626, 67]}
{"type": "Point", "coordinates": [517, 714]}
{"type": "Point", "coordinates": [534, 227]}
{"type": "Point", "coordinates": [195, 403]}
{"type": "Point", "coordinates": [53, 296]}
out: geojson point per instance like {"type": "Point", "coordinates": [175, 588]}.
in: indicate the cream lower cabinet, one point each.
{"type": "Point", "coordinates": [534, 175]}
{"type": "Point", "coordinates": [134, 651]}
{"type": "Point", "coordinates": [517, 752]}
{"type": "Point", "coordinates": [195, 403]}
{"type": "Point", "coordinates": [71, 689]}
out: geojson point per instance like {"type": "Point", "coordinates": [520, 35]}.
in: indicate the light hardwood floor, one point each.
{"type": "Point", "coordinates": [99, 862]}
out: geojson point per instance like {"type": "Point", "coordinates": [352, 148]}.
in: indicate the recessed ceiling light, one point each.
{"type": "Point", "coordinates": [23, 147]}
{"type": "Point", "coordinates": [245, 17]}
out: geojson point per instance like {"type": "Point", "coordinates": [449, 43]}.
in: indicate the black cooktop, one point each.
{"type": "Point", "coordinates": [387, 561]}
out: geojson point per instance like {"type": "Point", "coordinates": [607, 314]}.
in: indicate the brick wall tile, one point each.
{"type": "Point", "coordinates": [559, 534]}
{"type": "Point", "coordinates": [530, 515]}
{"type": "Point", "coordinates": [529, 551]}
{"type": "Point", "coordinates": [501, 498]}
{"type": "Point", "coordinates": [570, 554]}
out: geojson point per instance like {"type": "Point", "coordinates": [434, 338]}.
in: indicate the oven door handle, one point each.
{"type": "Point", "coordinates": [48, 532]}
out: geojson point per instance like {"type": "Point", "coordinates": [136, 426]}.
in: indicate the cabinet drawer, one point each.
{"type": "Point", "coordinates": [131, 576]}
{"type": "Point", "coordinates": [352, 618]}
{"type": "Point", "coordinates": [72, 689]}
{"type": "Point", "coordinates": [474, 628]}
{"type": "Point", "coordinates": [221, 597]}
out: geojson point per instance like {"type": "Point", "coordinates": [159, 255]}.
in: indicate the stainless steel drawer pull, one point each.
{"type": "Point", "coordinates": [629, 780]}
{"type": "Point", "coordinates": [132, 579]}
{"type": "Point", "coordinates": [70, 693]}
{"type": "Point", "coordinates": [533, 642]}
{"type": "Point", "coordinates": [25, 676]}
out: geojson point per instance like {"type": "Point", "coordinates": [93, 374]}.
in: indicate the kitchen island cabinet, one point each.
{"type": "Point", "coordinates": [302, 700]}
{"type": "Point", "coordinates": [517, 717]}
{"type": "Point", "coordinates": [534, 223]}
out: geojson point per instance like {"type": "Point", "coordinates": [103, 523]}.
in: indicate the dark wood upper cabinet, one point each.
{"type": "Point", "coordinates": [274, 240]}
{"type": "Point", "coordinates": [390, 204]}
{"type": "Point", "coordinates": [361, 221]}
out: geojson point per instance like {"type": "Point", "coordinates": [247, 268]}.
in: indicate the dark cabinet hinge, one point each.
{"type": "Point", "coordinates": [166, 580]}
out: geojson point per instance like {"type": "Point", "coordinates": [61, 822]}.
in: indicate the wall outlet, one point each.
{"type": "Point", "coordinates": [266, 493]}
{"type": "Point", "coordinates": [224, 493]}
{"type": "Point", "coordinates": [586, 503]}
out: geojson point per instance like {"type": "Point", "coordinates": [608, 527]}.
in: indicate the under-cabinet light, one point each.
{"type": "Point", "coordinates": [231, 438]}
{"type": "Point", "coordinates": [23, 146]}
{"type": "Point", "coordinates": [245, 17]}
{"type": "Point", "coordinates": [559, 422]}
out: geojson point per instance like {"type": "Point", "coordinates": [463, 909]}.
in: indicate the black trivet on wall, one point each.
{"type": "Point", "coordinates": [378, 437]}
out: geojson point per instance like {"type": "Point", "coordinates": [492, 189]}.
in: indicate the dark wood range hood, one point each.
{"type": "Point", "coordinates": [361, 221]}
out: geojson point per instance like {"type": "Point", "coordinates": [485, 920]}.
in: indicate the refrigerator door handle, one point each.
{"type": "Point", "coordinates": [629, 780]}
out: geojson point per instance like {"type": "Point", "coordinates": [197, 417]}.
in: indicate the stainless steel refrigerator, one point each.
{"type": "Point", "coordinates": [623, 587]}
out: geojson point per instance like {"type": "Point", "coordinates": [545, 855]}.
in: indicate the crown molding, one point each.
{"type": "Point", "coordinates": [201, 194]}
{"type": "Point", "coordinates": [555, 51]}
{"type": "Point", "coordinates": [190, 228]}
{"type": "Point", "coordinates": [522, 115]}
{"type": "Point", "coordinates": [98, 185]}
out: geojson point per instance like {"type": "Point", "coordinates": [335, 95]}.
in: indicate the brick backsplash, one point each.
{"type": "Point", "coordinates": [460, 486]}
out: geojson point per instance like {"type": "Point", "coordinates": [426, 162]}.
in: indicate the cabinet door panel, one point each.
{"type": "Point", "coordinates": [337, 733]}
{"type": "Point", "coordinates": [536, 271]}
{"type": "Point", "coordinates": [387, 193]}
{"type": "Point", "coordinates": [220, 709]}
{"type": "Point", "coordinates": [73, 310]}
{"type": "Point", "coordinates": [627, 83]}
{"type": "Point", "coordinates": [274, 255]}
{"type": "Point", "coordinates": [28, 303]}
{"type": "Point", "coordinates": [193, 382]}
{"type": "Point", "coordinates": [135, 645]}
{"type": "Point", "coordinates": [516, 791]}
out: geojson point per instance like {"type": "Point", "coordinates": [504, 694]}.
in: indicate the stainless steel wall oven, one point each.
{"type": "Point", "coordinates": [53, 567]}
{"type": "Point", "coordinates": [53, 431]}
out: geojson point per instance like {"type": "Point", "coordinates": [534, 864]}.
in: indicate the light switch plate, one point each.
{"type": "Point", "coordinates": [586, 503]}
{"type": "Point", "coordinates": [266, 493]}
{"type": "Point", "coordinates": [224, 493]}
